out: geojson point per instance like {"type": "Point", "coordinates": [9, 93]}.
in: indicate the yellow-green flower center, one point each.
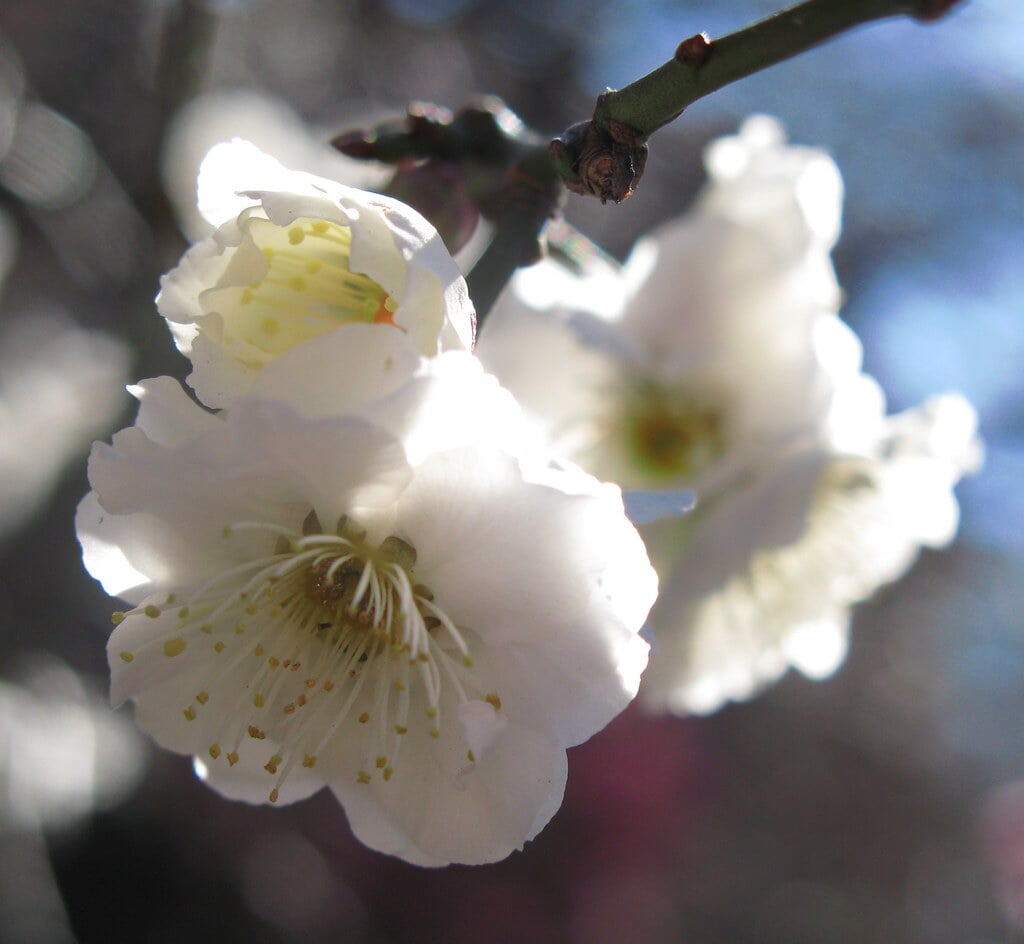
{"type": "Point", "coordinates": [285, 285]}
{"type": "Point", "coordinates": [668, 433]}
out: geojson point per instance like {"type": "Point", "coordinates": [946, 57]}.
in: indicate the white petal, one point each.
{"type": "Point", "coordinates": [166, 413]}
{"type": "Point", "coordinates": [536, 555]}
{"type": "Point", "coordinates": [261, 462]}
{"type": "Point", "coordinates": [339, 371]}
{"type": "Point", "coordinates": [115, 550]}
{"type": "Point", "coordinates": [482, 726]}
{"type": "Point", "coordinates": [423, 816]}
{"type": "Point", "coordinates": [247, 780]}
{"type": "Point", "coordinates": [452, 403]}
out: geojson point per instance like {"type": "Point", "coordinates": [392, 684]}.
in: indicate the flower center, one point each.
{"type": "Point", "coordinates": [328, 630]}
{"type": "Point", "coordinates": [306, 287]}
{"type": "Point", "coordinates": [669, 432]}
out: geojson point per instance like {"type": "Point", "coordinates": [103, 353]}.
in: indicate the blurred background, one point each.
{"type": "Point", "coordinates": [884, 805]}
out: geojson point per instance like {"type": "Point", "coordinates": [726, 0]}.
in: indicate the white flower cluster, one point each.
{"type": "Point", "coordinates": [716, 361]}
{"type": "Point", "coordinates": [360, 564]}
{"type": "Point", "coordinates": [350, 568]}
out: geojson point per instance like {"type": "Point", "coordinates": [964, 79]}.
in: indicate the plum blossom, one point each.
{"type": "Point", "coordinates": [767, 576]}
{"type": "Point", "coordinates": [392, 599]}
{"type": "Point", "coordinates": [715, 361]}
{"type": "Point", "coordinates": [295, 256]}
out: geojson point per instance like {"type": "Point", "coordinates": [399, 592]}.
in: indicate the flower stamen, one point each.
{"type": "Point", "coordinates": [312, 624]}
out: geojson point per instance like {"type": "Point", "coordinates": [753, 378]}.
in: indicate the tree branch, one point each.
{"type": "Point", "coordinates": [604, 157]}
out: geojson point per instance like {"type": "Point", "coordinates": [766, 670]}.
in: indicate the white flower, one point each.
{"type": "Point", "coordinates": [296, 256]}
{"type": "Point", "coordinates": [766, 576]}
{"type": "Point", "coordinates": [711, 358]}
{"type": "Point", "coordinates": [384, 601]}
{"type": "Point", "coordinates": [722, 366]}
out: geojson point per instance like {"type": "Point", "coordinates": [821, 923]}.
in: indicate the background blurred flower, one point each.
{"type": "Point", "coordinates": [727, 371]}
{"type": "Point", "coordinates": [63, 755]}
{"type": "Point", "coordinates": [60, 387]}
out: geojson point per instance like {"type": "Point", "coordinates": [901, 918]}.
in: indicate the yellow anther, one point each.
{"type": "Point", "coordinates": [171, 598]}
{"type": "Point", "coordinates": [273, 662]}
{"type": "Point", "coordinates": [388, 771]}
{"type": "Point", "coordinates": [258, 651]}
{"type": "Point", "coordinates": [152, 611]}
{"type": "Point", "coordinates": [297, 283]}
{"type": "Point", "coordinates": [435, 733]}
{"type": "Point", "coordinates": [399, 685]}
{"type": "Point", "coordinates": [494, 701]}
{"type": "Point", "coordinates": [328, 686]}
{"type": "Point", "coordinates": [271, 765]}
{"type": "Point", "coordinates": [126, 656]}
{"type": "Point", "coordinates": [218, 646]}
{"type": "Point", "coordinates": [381, 762]}
{"type": "Point", "coordinates": [364, 717]}
{"type": "Point", "coordinates": [227, 531]}
{"type": "Point", "coordinates": [471, 757]}
{"type": "Point", "coordinates": [295, 235]}
{"type": "Point", "coordinates": [206, 628]}
{"type": "Point", "coordinates": [363, 777]}
{"type": "Point", "coordinates": [274, 795]}
{"type": "Point", "coordinates": [189, 713]}
{"type": "Point", "coordinates": [174, 647]}
{"type": "Point", "coordinates": [320, 227]}
{"type": "Point", "coordinates": [431, 711]}
{"type": "Point", "coordinates": [215, 751]}
{"type": "Point", "coordinates": [268, 253]}
{"type": "Point", "coordinates": [117, 616]}
{"type": "Point", "coordinates": [400, 729]}
{"type": "Point", "coordinates": [232, 759]}
{"type": "Point", "coordinates": [239, 629]}
{"type": "Point", "coordinates": [310, 683]}
{"type": "Point", "coordinates": [202, 698]}
{"type": "Point", "coordinates": [258, 700]}
{"type": "Point", "coordinates": [467, 661]}
{"type": "Point", "coordinates": [183, 613]}
{"type": "Point", "coordinates": [309, 760]}
{"type": "Point", "coordinates": [256, 733]}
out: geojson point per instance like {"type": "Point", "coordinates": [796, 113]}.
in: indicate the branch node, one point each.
{"type": "Point", "coordinates": [694, 52]}
{"type": "Point", "coordinates": [607, 164]}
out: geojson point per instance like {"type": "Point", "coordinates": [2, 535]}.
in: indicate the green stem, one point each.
{"type": "Point", "coordinates": [701, 66]}
{"type": "Point", "coordinates": [515, 244]}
